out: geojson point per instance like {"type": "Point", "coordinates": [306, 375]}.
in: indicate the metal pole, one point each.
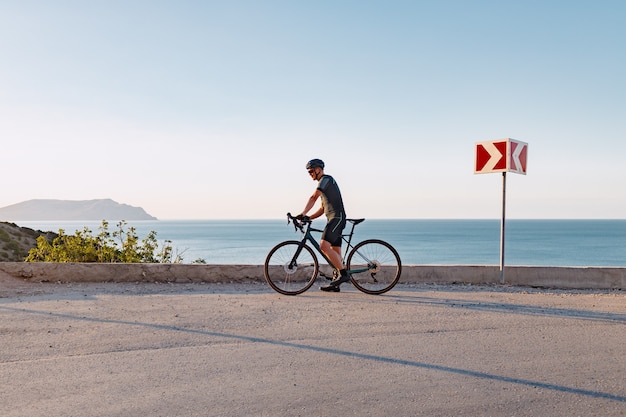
{"type": "Point", "coordinates": [502, 224]}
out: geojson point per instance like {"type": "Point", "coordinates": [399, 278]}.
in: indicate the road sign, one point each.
{"type": "Point", "coordinates": [502, 155]}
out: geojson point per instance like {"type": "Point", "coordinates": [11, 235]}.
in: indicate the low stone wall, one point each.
{"type": "Point", "coordinates": [130, 272]}
{"type": "Point", "coordinates": [534, 276]}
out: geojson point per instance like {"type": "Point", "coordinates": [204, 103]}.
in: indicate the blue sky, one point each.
{"type": "Point", "coordinates": [210, 109]}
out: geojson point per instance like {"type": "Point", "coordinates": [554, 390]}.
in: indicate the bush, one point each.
{"type": "Point", "coordinates": [4, 236]}
{"type": "Point", "coordinates": [119, 246]}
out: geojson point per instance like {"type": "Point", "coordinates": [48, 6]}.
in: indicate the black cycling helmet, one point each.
{"type": "Point", "coordinates": [315, 163]}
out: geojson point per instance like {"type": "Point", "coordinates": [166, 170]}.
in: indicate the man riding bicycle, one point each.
{"type": "Point", "coordinates": [332, 207]}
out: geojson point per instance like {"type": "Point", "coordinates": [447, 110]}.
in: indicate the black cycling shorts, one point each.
{"type": "Point", "coordinates": [333, 230]}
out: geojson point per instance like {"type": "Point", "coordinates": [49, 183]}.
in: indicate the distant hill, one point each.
{"type": "Point", "coordinates": [104, 209]}
{"type": "Point", "coordinates": [15, 241]}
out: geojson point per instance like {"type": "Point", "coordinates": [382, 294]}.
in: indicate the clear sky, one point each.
{"type": "Point", "coordinates": [211, 109]}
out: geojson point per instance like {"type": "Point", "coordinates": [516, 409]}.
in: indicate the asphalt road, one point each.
{"type": "Point", "coordinates": [243, 350]}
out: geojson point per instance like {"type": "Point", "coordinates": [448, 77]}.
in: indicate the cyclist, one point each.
{"type": "Point", "coordinates": [332, 207]}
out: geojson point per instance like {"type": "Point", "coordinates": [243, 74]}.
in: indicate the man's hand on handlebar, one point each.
{"type": "Point", "coordinates": [298, 220]}
{"type": "Point", "coordinates": [303, 218]}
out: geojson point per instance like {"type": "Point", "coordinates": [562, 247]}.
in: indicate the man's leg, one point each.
{"type": "Point", "coordinates": [333, 253]}
{"type": "Point", "coordinates": [338, 250]}
{"type": "Point", "coordinates": [331, 247]}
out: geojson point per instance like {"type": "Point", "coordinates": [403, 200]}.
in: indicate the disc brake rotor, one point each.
{"type": "Point", "coordinates": [374, 266]}
{"type": "Point", "coordinates": [289, 270]}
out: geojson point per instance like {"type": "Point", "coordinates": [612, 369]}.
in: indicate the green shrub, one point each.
{"type": "Point", "coordinates": [119, 246]}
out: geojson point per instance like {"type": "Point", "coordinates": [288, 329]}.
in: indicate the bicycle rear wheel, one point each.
{"type": "Point", "coordinates": [287, 275]}
{"type": "Point", "coordinates": [375, 266]}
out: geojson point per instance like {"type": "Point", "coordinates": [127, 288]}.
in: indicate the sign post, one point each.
{"type": "Point", "coordinates": [502, 155]}
{"type": "Point", "coordinates": [502, 228]}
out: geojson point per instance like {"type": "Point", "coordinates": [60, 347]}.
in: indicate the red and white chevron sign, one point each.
{"type": "Point", "coordinates": [502, 155]}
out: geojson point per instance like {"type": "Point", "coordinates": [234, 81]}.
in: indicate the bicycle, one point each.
{"type": "Point", "coordinates": [291, 267]}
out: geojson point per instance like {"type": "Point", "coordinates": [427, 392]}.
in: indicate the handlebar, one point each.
{"type": "Point", "coordinates": [299, 221]}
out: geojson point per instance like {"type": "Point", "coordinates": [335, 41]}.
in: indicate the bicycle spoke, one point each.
{"type": "Point", "coordinates": [289, 276]}
{"type": "Point", "coordinates": [375, 266]}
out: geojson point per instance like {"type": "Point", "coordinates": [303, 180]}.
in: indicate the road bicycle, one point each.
{"type": "Point", "coordinates": [291, 267]}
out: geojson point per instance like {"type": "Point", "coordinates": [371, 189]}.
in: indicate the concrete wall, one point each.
{"type": "Point", "coordinates": [535, 276]}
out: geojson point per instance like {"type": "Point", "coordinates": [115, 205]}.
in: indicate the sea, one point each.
{"type": "Point", "coordinates": [419, 242]}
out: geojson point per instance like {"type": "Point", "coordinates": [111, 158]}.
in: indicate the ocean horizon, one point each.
{"type": "Point", "coordinates": [530, 242]}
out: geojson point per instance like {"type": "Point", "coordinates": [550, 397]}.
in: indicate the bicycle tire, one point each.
{"type": "Point", "coordinates": [286, 280]}
{"type": "Point", "coordinates": [380, 262]}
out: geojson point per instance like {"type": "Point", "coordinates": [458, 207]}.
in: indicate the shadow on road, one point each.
{"type": "Point", "coordinates": [395, 361]}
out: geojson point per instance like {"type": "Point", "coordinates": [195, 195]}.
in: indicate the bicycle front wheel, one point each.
{"type": "Point", "coordinates": [288, 274]}
{"type": "Point", "coordinates": [375, 266]}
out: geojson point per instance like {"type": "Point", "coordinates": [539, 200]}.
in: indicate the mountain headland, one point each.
{"type": "Point", "coordinates": [16, 241]}
{"type": "Point", "coordinates": [45, 209]}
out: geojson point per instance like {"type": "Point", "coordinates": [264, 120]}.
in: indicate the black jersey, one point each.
{"type": "Point", "coordinates": [331, 198]}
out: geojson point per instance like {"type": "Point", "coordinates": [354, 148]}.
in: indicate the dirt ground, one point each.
{"type": "Point", "coordinates": [242, 350]}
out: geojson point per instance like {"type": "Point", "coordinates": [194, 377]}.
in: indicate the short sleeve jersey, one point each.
{"type": "Point", "coordinates": [331, 198]}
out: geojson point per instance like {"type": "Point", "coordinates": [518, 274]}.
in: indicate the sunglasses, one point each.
{"type": "Point", "coordinates": [311, 171]}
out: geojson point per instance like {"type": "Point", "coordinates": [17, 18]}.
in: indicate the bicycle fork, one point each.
{"type": "Point", "coordinates": [294, 261]}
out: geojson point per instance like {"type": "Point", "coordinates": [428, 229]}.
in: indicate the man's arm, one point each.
{"type": "Point", "coordinates": [318, 213]}
{"type": "Point", "coordinates": [311, 202]}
